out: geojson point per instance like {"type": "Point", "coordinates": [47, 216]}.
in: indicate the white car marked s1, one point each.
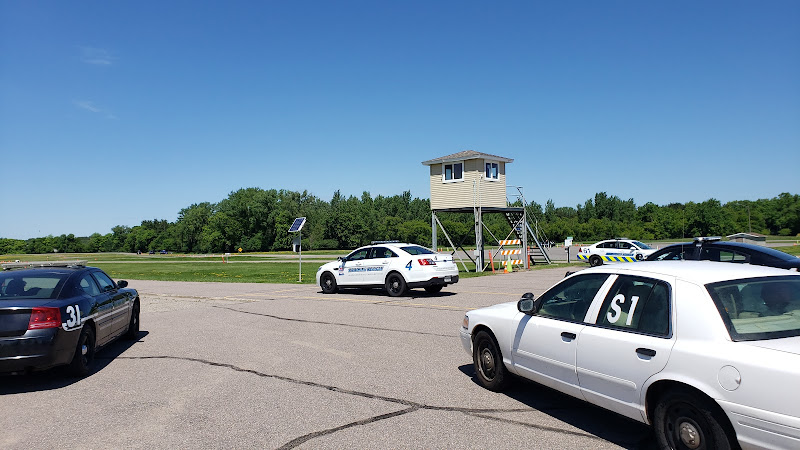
{"type": "Point", "coordinates": [708, 353]}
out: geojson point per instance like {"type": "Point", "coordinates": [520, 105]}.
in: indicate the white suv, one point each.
{"type": "Point", "coordinates": [614, 250]}
{"type": "Point", "coordinates": [392, 265]}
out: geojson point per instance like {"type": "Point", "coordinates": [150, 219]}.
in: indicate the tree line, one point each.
{"type": "Point", "coordinates": [255, 220]}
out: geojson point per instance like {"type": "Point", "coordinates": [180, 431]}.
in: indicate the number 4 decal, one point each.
{"type": "Point", "coordinates": [408, 266]}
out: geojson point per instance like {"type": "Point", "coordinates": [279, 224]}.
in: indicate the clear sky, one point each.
{"type": "Point", "coordinates": [113, 112]}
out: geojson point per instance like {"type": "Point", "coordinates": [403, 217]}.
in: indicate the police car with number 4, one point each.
{"type": "Point", "coordinates": [613, 251]}
{"type": "Point", "coordinates": [393, 266]}
{"type": "Point", "coordinates": [61, 313]}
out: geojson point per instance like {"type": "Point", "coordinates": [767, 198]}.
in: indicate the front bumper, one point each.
{"type": "Point", "coordinates": [37, 350]}
{"type": "Point", "coordinates": [466, 341]}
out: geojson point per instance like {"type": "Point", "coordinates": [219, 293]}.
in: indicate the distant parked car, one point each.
{"type": "Point", "coordinates": [614, 251]}
{"type": "Point", "coordinates": [163, 252]}
{"type": "Point", "coordinates": [391, 265]}
{"type": "Point", "coordinates": [713, 249]}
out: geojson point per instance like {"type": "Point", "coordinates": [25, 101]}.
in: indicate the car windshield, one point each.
{"type": "Point", "coordinates": [642, 245]}
{"type": "Point", "coordinates": [759, 308]}
{"type": "Point", "coordinates": [417, 250]}
{"type": "Point", "coordinates": [29, 286]}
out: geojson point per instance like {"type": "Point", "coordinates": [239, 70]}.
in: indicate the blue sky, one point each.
{"type": "Point", "coordinates": [116, 112]}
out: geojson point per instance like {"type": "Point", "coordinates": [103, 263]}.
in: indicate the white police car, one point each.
{"type": "Point", "coordinates": [392, 265]}
{"type": "Point", "coordinates": [614, 250]}
{"type": "Point", "coordinates": [708, 353]}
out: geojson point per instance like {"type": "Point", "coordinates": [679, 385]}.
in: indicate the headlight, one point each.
{"type": "Point", "coordinates": [466, 322]}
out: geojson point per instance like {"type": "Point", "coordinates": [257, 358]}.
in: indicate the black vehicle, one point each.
{"type": "Point", "coordinates": [61, 313]}
{"type": "Point", "coordinates": [713, 249]}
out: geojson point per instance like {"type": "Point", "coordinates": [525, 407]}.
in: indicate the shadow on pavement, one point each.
{"type": "Point", "coordinates": [594, 420]}
{"type": "Point", "coordinates": [58, 377]}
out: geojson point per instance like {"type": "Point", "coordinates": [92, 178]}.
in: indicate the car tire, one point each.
{"type": "Point", "coordinates": [434, 289]}
{"type": "Point", "coordinates": [328, 283]}
{"type": "Point", "coordinates": [595, 261]}
{"type": "Point", "coordinates": [685, 420]}
{"type": "Point", "coordinates": [395, 285]}
{"type": "Point", "coordinates": [84, 353]}
{"type": "Point", "coordinates": [133, 327]}
{"type": "Point", "coordinates": [488, 362]}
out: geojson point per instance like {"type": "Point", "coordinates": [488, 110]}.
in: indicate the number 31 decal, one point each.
{"type": "Point", "coordinates": [619, 299]}
{"type": "Point", "coordinates": [74, 316]}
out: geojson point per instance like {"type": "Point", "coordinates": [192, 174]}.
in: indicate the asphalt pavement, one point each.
{"type": "Point", "coordinates": [239, 365]}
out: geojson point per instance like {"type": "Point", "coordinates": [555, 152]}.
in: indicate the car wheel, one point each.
{"type": "Point", "coordinates": [434, 289]}
{"type": "Point", "coordinates": [84, 353]}
{"type": "Point", "coordinates": [395, 285]}
{"type": "Point", "coordinates": [595, 261]}
{"type": "Point", "coordinates": [684, 420]}
{"type": "Point", "coordinates": [328, 283]}
{"type": "Point", "coordinates": [133, 326]}
{"type": "Point", "coordinates": [488, 362]}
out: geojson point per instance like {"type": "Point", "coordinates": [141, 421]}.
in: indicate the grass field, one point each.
{"type": "Point", "coordinates": [247, 268]}
{"type": "Point", "coordinates": [278, 267]}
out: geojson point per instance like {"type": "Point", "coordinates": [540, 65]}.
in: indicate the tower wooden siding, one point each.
{"type": "Point", "coordinates": [459, 194]}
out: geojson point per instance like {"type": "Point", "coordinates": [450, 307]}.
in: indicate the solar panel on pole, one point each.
{"type": "Point", "coordinates": [295, 228]}
{"type": "Point", "coordinates": [297, 225]}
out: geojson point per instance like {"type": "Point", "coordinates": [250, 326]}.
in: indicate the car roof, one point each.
{"type": "Point", "coordinates": [698, 272]}
{"type": "Point", "coordinates": [741, 246]}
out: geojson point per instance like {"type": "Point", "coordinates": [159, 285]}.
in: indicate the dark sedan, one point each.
{"type": "Point", "coordinates": [713, 249]}
{"type": "Point", "coordinates": [61, 313]}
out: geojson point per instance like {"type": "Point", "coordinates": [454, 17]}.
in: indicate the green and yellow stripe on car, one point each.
{"type": "Point", "coordinates": [605, 258]}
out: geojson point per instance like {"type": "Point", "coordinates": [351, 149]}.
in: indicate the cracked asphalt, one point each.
{"type": "Point", "coordinates": [272, 366]}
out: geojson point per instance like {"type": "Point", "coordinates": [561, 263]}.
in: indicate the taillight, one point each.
{"type": "Point", "coordinates": [426, 262]}
{"type": "Point", "coordinates": [44, 318]}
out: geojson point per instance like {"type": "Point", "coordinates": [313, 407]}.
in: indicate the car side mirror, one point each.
{"type": "Point", "coordinates": [527, 304]}
{"type": "Point", "coordinates": [341, 258]}
{"type": "Point", "coordinates": [122, 284]}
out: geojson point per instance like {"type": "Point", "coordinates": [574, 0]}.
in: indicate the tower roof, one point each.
{"type": "Point", "coordinates": [466, 154]}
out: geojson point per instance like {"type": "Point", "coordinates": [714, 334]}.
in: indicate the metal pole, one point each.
{"type": "Point", "coordinates": [300, 252]}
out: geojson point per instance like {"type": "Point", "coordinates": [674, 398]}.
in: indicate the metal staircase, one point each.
{"type": "Point", "coordinates": [537, 253]}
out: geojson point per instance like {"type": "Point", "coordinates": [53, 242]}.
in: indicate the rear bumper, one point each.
{"type": "Point", "coordinates": [37, 350]}
{"type": "Point", "coordinates": [435, 281]}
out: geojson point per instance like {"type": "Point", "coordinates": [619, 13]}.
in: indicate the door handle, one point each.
{"type": "Point", "coordinates": [646, 352]}
{"type": "Point", "coordinates": [568, 335]}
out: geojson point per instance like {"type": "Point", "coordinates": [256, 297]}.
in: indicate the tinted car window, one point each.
{"type": "Point", "coordinates": [103, 281]}
{"type": "Point", "coordinates": [722, 255]}
{"type": "Point", "coordinates": [382, 252]}
{"type": "Point", "coordinates": [417, 250]}
{"type": "Point", "coordinates": [637, 304]}
{"type": "Point", "coordinates": [30, 286]}
{"type": "Point", "coordinates": [673, 253]}
{"type": "Point", "coordinates": [759, 308]}
{"type": "Point", "coordinates": [571, 298]}
{"type": "Point", "coordinates": [88, 285]}
{"type": "Point", "coordinates": [358, 255]}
